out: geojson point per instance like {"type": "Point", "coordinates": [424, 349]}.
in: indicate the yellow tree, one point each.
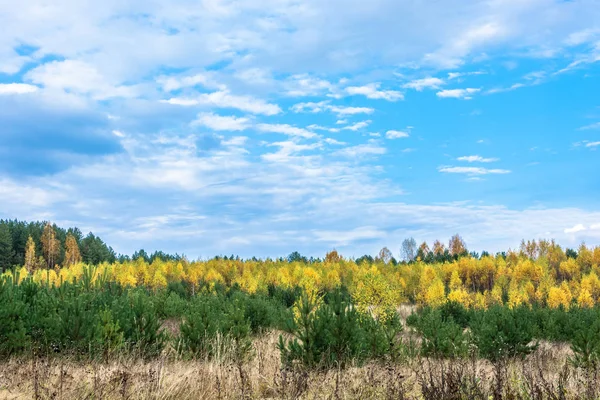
{"type": "Point", "coordinates": [435, 295]}
{"type": "Point", "coordinates": [50, 245]}
{"type": "Point", "coordinates": [438, 248]}
{"type": "Point", "coordinates": [333, 257]}
{"type": "Point", "coordinates": [457, 245]}
{"type": "Point", "coordinates": [384, 255]}
{"type": "Point", "coordinates": [72, 254]}
{"type": "Point", "coordinates": [455, 281]}
{"type": "Point", "coordinates": [30, 258]}
{"type": "Point", "coordinates": [585, 299]}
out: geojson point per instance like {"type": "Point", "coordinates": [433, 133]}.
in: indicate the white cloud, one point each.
{"type": "Point", "coordinates": [575, 229]}
{"type": "Point", "coordinates": [371, 91]}
{"type": "Point", "coordinates": [343, 111]}
{"type": "Point", "coordinates": [224, 99]}
{"type": "Point", "coordinates": [311, 107]}
{"type": "Point", "coordinates": [222, 123]}
{"type": "Point", "coordinates": [592, 144]}
{"type": "Point", "coordinates": [506, 89]}
{"type": "Point", "coordinates": [286, 130]}
{"type": "Point", "coordinates": [455, 75]}
{"type": "Point", "coordinates": [472, 170]}
{"type": "Point", "coordinates": [315, 127]}
{"type": "Point", "coordinates": [322, 106]}
{"type": "Point", "coordinates": [333, 141]}
{"type": "Point", "coordinates": [118, 133]}
{"type": "Point", "coordinates": [396, 134]}
{"type": "Point", "coordinates": [425, 83]}
{"type": "Point", "coordinates": [17, 88]}
{"type": "Point", "coordinates": [357, 126]}
{"type": "Point", "coordinates": [361, 150]}
{"type": "Point", "coordinates": [172, 83]}
{"type": "Point", "coordinates": [345, 238]}
{"type": "Point", "coordinates": [457, 93]}
{"type": "Point", "coordinates": [477, 159]}
{"type": "Point", "coordinates": [179, 101]}
{"type": "Point", "coordinates": [305, 85]}
{"type": "Point", "coordinates": [78, 77]}
{"type": "Point", "coordinates": [595, 125]}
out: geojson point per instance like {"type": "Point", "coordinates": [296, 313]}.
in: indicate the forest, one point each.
{"type": "Point", "coordinates": [79, 321]}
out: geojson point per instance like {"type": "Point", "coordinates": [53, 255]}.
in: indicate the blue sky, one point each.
{"type": "Point", "coordinates": [260, 127]}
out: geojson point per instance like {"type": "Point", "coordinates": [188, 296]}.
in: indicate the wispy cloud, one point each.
{"type": "Point", "coordinates": [222, 123]}
{"type": "Point", "coordinates": [465, 94]}
{"type": "Point", "coordinates": [475, 171]}
{"type": "Point", "coordinates": [286, 130]}
{"type": "Point", "coordinates": [477, 159]}
{"type": "Point", "coordinates": [392, 134]}
{"type": "Point", "coordinates": [595, 125]}
{"type": "Point", "coordinates": [224, 99]}
{"type": "Point", "coordinates": [17, 88]}
{"type": "Point", "coordinates": [361, 150]}
{"type": "Point", "coordinates": [576, 228]}
{"type": "Point", "coordinates": [371, 91]}
{"type": "Point", "coordinates": [424, 83]}
{"type": "Point", "coordinates": [357, 126]}
{"type": "Point", "coordinates": [323, 106]}
{"type": "Point", "coordinates": [343, 111]}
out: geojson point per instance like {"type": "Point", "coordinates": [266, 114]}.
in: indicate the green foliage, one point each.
{"type": "Point", "coordinates": [457, 312]}
{"type": "Point", "coordinates": [441, 336]}
{"type": "Point", "coordinates": [173, 306]}
{"type": "Point", "coordinates": [13, 314]}
{"type": "Point", "coordinates": [585, 342]}
{"type": "Point", "coordinates": [501, 333]}
{"type": "Point", "coordinates": [335, 334]}
{"type": "Point", "coordinates": [6, 248]}
{"type": "Point", "coordinates": [141, 326]}
{"type": "Point", "coordinates": [200, 327]}
{"type": "Point", "coordinates": [212, 324]}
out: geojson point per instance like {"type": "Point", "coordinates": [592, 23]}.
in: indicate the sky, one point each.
{"type": "Point", "coordinates": [262, 127]}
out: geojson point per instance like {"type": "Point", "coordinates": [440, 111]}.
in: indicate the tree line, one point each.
{"type": "Point", "coordinates": [42, 244]}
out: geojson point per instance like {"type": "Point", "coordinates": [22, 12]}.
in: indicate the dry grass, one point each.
{"type": "Point", "coordinates": [544, 375]}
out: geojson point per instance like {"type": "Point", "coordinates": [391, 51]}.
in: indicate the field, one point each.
{"type": "Point", "coordinates": [515, 325]}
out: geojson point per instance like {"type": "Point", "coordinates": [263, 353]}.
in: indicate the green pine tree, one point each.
{"type": "Point", "coordinates": [6, 248]}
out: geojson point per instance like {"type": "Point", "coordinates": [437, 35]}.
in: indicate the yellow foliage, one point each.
{"type": "Point", "coordinates": [455, 281]}
{"type": "Point", "coordinates": [558, 297]}
{"type": "Point", "coordinates": [550, 279]}
{"type": "Point", "coordinates": [435, 295]}
{"type": "Point", "coordinates": [585, 299]}
{"type": "Point", "coordinates": [460, 296]}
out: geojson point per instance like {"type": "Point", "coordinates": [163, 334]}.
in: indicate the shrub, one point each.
{"type": "Point", "coordinates": [199, 328]}
{"type": "Point", "coordinates": [585, 342]}
{"type": "Point", "coordinates": [13, 335]}
{"type": "Point", "coordinates": [441, 337]}
{"type": "Point", "coordinates": [324, 336]}
{"type": "Point", "coordinates": [501, 333]}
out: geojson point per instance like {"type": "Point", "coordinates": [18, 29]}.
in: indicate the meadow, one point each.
{"type": "Point", "coordinates": [444, 325]}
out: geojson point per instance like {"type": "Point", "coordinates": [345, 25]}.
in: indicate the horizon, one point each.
{"type": "Point", "coordinates": [260, 128]}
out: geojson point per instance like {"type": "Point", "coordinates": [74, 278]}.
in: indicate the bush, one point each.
{"type": "Point", "coordinates": [441, 335]}
{"type": "Point", "coordinates": [141, 326]}
{"type": "Point", "coordinates": [13, 335]}
{"type": "Point", "coordinates": [213, 324]}
{"type": "Point", "coordinates": [501, 333]}
{"type": "Point", "coordinates": [585, 342]}
{"type": "Point", "coordinates": [335, 334]}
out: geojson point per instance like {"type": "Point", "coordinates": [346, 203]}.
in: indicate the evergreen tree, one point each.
{"type": "Point", "coordinates": [6, 248]}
